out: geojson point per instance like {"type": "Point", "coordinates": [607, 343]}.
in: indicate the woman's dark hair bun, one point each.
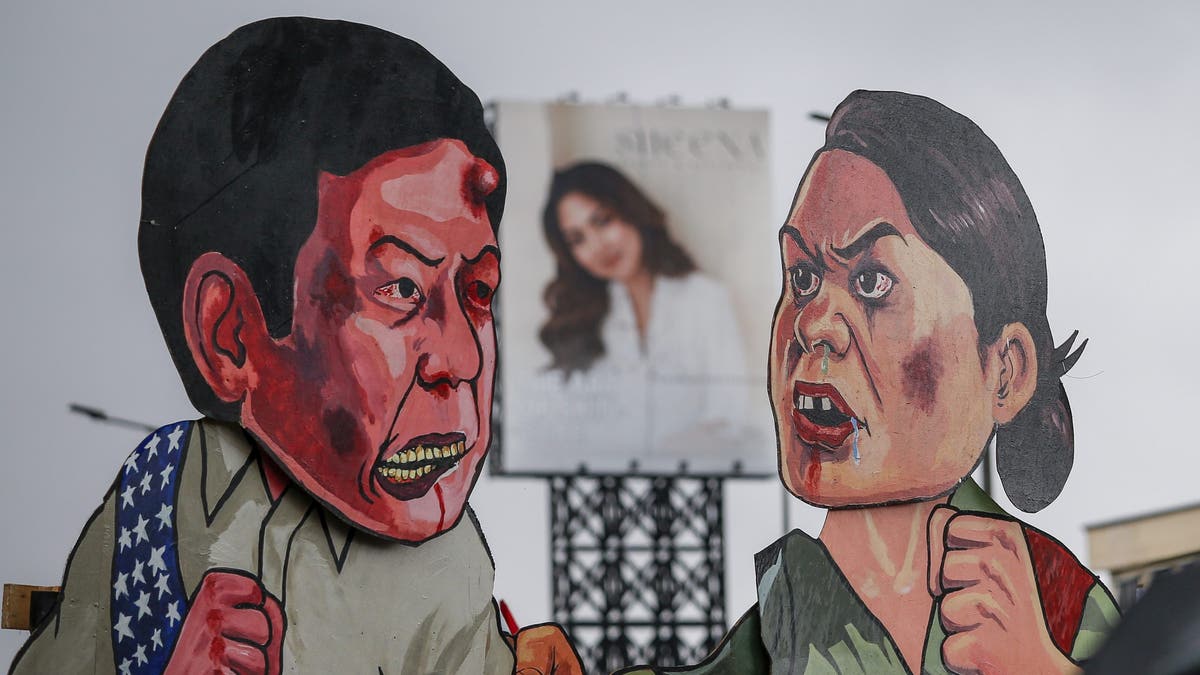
{"type": "Point", "coordinates": [1035, 452]}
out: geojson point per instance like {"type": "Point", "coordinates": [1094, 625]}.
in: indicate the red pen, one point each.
{"type": "Point", "coordinates": [509, 621]}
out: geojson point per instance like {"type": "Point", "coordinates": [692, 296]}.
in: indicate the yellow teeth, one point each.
{"type": "Point", "coordinates": [411, 464]}
{"type": "Point", "coordinates": [395, 474]}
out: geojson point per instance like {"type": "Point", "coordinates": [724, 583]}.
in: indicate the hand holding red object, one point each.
{"type": "Point", "coordinates": [990, 605]}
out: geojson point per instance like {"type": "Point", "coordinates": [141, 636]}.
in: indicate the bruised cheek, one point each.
{"type": "Point", "coordinates": [344, 432]}
{"type": "Point", "coordinates": [333, 291]}
{"type": "Point", "coordinates": [921, 373]}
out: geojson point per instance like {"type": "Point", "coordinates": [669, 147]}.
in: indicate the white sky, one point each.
{"type": "Point", "coordinates": [1094, 106]}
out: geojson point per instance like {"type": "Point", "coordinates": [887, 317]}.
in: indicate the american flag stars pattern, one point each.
{"type": "Point", "coordinates": [148, 599]}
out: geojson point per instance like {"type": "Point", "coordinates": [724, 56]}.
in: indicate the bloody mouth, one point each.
{"type": "Point", "coordinates": [411, 471]}
{"type": "Point", "coordinates": [820, 416]}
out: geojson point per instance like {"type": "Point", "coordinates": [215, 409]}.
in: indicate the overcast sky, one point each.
{"type": "Point", "coordinates": [1094, 107]}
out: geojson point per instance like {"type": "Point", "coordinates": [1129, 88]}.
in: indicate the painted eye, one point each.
{"type": "Point", "coordinates": [403, 294]}
{"type": "Point", "coordinates": [480, 293]}
{"type": "Point", "coordinates": [873, 285]}
{"type": "Point", "coordinates": [805, 282]}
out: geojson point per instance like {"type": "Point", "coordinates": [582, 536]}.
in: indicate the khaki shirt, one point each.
{"type": "Point", "coordinates": [810, 621]}
{"type": "Point", "coordinates": [354, 603]}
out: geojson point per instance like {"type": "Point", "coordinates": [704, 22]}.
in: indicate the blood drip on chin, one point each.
{"type": "Point", "coordinates": [812, 471]}
{"type": "Point", "coordinates": [437, 488]}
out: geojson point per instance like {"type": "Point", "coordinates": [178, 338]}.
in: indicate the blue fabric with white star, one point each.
{"type": "Point", "coordinates": [148, 600]}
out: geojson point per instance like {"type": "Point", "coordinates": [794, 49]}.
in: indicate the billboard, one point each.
{"type": "Point", "coordinates": [640, 272]}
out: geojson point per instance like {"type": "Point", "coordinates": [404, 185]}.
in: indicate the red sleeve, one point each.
{"type": "Point", "coordinates": [1063, 584]}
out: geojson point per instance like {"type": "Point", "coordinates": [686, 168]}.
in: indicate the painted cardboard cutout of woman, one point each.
{"type": "Point", "coordinates": [910, 332]}
{"type": "Point", "coordinates": [320, 203]}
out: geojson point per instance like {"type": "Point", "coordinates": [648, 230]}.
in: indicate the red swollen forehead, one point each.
{"type": "Point", "coordinates": [480, 180]}
{"type": "Point", "coordinates": [440, 181]}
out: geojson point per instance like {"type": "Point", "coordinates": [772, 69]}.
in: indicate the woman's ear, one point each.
{"type": "Point", "coordinates": [1015, 372]}
{"type": "Point", "coordinates": [221, 316]}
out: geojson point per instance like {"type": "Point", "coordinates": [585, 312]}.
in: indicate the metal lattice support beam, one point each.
{"type": "Point", "coordinates": [638, 567]}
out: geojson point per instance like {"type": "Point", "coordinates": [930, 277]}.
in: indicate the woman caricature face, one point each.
{"type": "Point", "coordinates": [601, 241]}
{"type": "Point", "coordinates": [876, 379]}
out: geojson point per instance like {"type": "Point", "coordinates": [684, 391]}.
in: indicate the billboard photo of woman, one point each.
{"type": "Point", "coordinates": [626, 340]}
{"type": "Point", "coordinates": [628, 308]}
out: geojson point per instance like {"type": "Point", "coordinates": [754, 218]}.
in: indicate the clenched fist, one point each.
{"type": "Point", "coordinates": [982, 570]}
{"type": "Point", "coordinates": [233, 626]}
{"type": "Point", "coordinates": [545, 650]}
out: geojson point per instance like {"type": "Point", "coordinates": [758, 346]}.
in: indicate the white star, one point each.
{"type": "Point", "coordinates": [161, 586]}
{"type": "Point", "coordinates": [166, 475]}
{"type": "Point", "coordinates": [127, 496]}
{"type": "Point", "coordinates": [174, 436]}
{"type": "Point", "coordinates": [124, 540]}
{"type": "Point", "coordinates": [138, 575]}
{"type": "Point", "coordinates": [120, 588]}
{"type": "Point", "coordinates": [143, 605]}
{"type": "Point", "coordinates": [173, 613]}
{"type": "Point", "coordinates": [131, 463]}
{"type": "Point", "coordinates": [156, 559]}
{"type": "Point", "coordinates": [152, 446]}
{"type": "Point", "coordinates": [164, 516]}
{"type": "Point", "coordinates": [122, 628]}
{"type": "Point", "coordinates": [126, 665]}
{"type": "Point", "coordinates": [140, 529]}
{"type": "Point", "coordinates": [157, 639]}
{"type": "Point", "coordinates": [140, 655]}
{"type": "Point", "coordinates": [146, 478]}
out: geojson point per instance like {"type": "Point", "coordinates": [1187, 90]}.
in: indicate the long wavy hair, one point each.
{"type": "Point", "coordinates": [577, 300]}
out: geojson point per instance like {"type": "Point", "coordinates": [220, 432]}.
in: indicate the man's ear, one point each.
{"type": "Point", "coordinates": [221, 316]}
{"type": "Point", "coordinates": [1014, 372]}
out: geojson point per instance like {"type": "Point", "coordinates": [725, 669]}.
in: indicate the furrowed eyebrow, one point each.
{"type": "Point", "coordinates": [405, 246]}
{"type": "Point", "coordinates": [795, 235]}
{"type": "Point", "coordinates": [867, 240]}
{"type": "Point", "coordinates": [487, 250]}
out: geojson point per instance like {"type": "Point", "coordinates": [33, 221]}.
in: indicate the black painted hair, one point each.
{"type": "Point", "coordinates": [967, 204]}
{"type": "Point", "coordinates": [234, 163]}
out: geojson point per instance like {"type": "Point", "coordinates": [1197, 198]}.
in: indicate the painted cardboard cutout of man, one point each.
{"type": "Point", "coordinates": [911, 332]}
{"type": "Point", "coordinates": [318, 241]}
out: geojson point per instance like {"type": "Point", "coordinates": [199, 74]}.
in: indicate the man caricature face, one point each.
{"type": "Point", "coordinates": [378, 402]}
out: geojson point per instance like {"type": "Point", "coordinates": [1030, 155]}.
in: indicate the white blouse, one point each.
{"type": "Point", "coordinates": [682, 395]}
